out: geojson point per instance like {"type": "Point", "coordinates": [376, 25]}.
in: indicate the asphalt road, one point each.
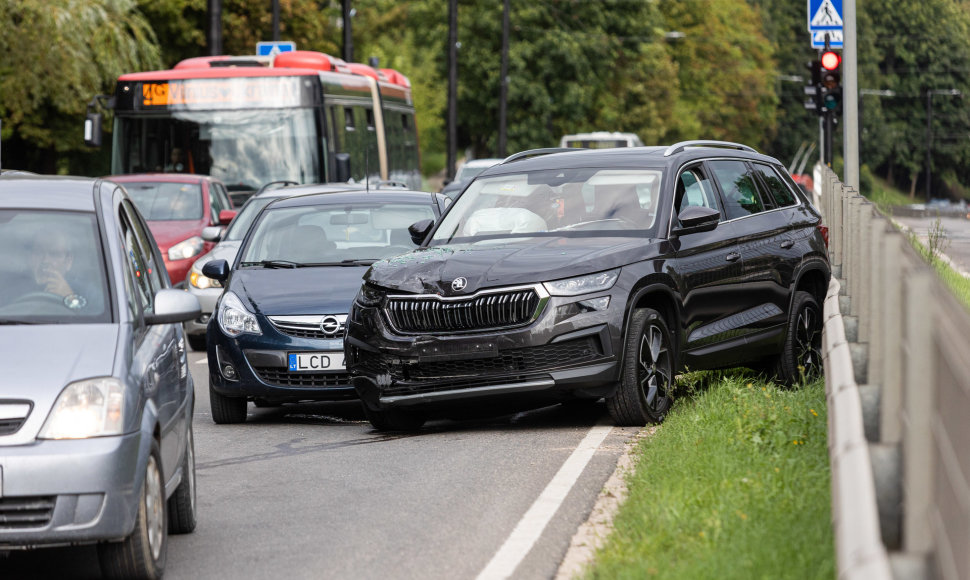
{"type": "Point", "coordinates": [957, 229]}
{"type": "Point", "coordinates": [312, 491]}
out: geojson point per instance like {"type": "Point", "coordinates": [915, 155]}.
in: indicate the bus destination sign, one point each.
{"type": "Point", "coordinates": [234, 93]}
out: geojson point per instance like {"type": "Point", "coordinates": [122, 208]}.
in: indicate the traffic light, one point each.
{"type": "Point", "coordinates": [831, 82]}
{"type": "Point", "coordinates": [814, 90]}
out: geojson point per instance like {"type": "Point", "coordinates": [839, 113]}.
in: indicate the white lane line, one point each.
{"type": "Point", "coordinates": [202, 361]}
{"type": "Point", "coordinates": [518, 545]}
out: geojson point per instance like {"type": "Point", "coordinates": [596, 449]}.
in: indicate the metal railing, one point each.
{"type": "Point", "coordinates": [897, 374]}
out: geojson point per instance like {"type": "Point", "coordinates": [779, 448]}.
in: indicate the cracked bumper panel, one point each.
{"type": "Point", "coordinates": [567, 350]}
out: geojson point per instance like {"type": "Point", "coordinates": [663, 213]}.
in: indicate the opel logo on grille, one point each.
{"type": "Point", "coordinates": [329, 325]}
{"type": "Point", "coordinates": [459, 283]}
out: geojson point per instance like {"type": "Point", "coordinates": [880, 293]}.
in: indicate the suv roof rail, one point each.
{"type": "Point", "coordinates": [538, 152]}
{"type": "Point", "coordinates": [679, 147]}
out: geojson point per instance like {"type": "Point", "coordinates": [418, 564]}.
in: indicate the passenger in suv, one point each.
{"type": "Point", "coordinates": [594, 273]}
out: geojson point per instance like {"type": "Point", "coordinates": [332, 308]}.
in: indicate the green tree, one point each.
{"type": "Point", "coordinates": [57, 54]}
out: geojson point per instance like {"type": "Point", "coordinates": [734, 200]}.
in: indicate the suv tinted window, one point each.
{"type": "Point", "coordinates": [779, 191]}
{"type": "Point", "coordinates": [738, 187]}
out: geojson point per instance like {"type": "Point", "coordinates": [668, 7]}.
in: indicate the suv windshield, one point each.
{"type": "Point", "coordinates": [575, 202]}
{"type": "Point", "coordinates": [52, 268]}
{"type": "Point", "coordinates": [160, 201]}
{"type": "Point", "coordinates": [332, 234]}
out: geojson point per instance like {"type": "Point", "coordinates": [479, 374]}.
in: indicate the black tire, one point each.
{"type": "Point", "coordinates": [196, 341]}
{"type": "Point", "coordinates": [801, 358]}
{"type": "Point", "coordinates": [182, 506]}
{"type": "Point", "coordinates": [142, 554]}
{"type": "Point", "coordinates": [226, 410]}
{"type": "Point", "coordinates": [394, 419]}
{"type": "Point", "coordinates": [646, 385]}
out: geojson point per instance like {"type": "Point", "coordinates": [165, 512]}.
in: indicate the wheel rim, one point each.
{"type": "Point", "coordinates": [808, 342]}
{"type": "Point", "coordinates": [654, 369]}
{"type": "Point", "coordinates": [154, 508]}
{"type": "Point", "coordinates": [190, 463]}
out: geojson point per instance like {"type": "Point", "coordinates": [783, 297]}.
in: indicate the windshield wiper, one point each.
{"type": "Point", "coordinates": [15, 322]}
{"type": "Point", "coordinates": [358, 262]}
{"type": "Point", "coordinates": [278, 264]}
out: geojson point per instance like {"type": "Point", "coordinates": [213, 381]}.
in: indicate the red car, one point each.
{"type": "Point", "coordinates": [178, 207]}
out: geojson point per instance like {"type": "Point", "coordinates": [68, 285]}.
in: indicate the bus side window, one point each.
{"type": "Point", "coordinates": [349, 119]}
{"type": "Point", "coordinates": [370, 119]}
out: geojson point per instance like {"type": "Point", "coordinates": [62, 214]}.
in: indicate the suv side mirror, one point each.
{"type": "Point", "coordinates": [343, 166]}
{"type": "Point", "coordinates": [419, 230]}
{"type": "Point", "coordinates": [92, 130]}
{"type": "Point", "coordinates": [217, 270]}
{"type": "Point", "coordinates": [226, 215]}
{"type": "Point", "coordinates": [696, 219]}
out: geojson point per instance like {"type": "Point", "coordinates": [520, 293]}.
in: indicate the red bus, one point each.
{"type": "Point", "coordinates": [299, 116]}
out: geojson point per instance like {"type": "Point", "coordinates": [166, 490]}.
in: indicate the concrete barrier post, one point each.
{"type": "Point", "coordinates": [864, 271]}
{"type": "Point", "coordinates": [876, 300]}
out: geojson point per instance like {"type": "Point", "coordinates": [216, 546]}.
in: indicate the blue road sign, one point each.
{"type": "Point", "coordinates": [276, 47]}
{"type": "Point", "coordinates": [825, 17]}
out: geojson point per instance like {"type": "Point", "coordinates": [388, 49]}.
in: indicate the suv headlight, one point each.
{"type": "Point", "coordinates": [233, 317]}
{"type": "Point", "coordinates": [88, 408]}
{"type": "Point", "coordinates": [185, 249]}
{"type": "Point", "coordinates": [369, 296]}
{"type": "Point", "coordinates": [583, 284]}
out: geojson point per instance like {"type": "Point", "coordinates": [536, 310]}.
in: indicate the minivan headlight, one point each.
{"type": "Point", "coordinates": [88, 408]}
{"type": "Point", "coordinates": [233, 317]}
{"type": "Point", "coordinates": [583, 284]}
{"type": "Point", "coordinates": [199, 280]}
{"type": "Point", "coordinates": [185, 249]}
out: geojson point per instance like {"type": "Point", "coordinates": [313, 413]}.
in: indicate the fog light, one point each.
{"type": "Point", "coordinates": [229, 372]}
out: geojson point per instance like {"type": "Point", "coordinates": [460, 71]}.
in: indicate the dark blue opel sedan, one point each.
{"type": "Point", "coordinates": [276, 335]}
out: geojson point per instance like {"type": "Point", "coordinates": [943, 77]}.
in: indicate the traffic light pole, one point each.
{"type": "Point", "coordinates": [827, 122]}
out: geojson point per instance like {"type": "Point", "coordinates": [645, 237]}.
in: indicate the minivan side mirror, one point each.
{"type": "Point", "coordinates": [217, 270]}
{"type": "Point", "coordinates": [419, 230]}
{"type": "Point", "coordinates": [92, 130]}
{"type": "Point", "coordinates": [696, 219]}
{"type": "Point", "coordinates": [173, 305]}
{"type": "Point", "coordinates": [212, 233]}
{"type": "Point", "coordinates": [343, 166]}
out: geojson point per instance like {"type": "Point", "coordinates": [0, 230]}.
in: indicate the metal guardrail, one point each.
{"type": "Point", "coordinates": [897, 374]}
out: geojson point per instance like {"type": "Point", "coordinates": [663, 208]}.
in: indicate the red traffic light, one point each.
{"type": "Point", "coordinates": [831, 60]}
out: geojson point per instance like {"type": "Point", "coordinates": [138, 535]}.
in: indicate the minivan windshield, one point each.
{"type": "Point", "coordinates": [52, 268]}
{"type": "Point", "coordinates": [559, 202]}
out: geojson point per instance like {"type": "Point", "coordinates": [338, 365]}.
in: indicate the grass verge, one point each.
{"type": "Point", "coordinates": [734, 484]}
{"type": "Point", "coordinates": [958, 284]}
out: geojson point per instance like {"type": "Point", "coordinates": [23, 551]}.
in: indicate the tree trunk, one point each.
{"type": "Point", "coordinates": [912, 185]}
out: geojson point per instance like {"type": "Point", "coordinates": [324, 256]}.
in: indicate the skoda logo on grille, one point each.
{"type": "Point", "coordinates": [329, 325]}
{"type": "Point", "coordinates": [459, 283]}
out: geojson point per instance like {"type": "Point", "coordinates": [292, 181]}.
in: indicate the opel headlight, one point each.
{"type": "Point", "coordinates": [88, 408]}
{"type": "Point", "coordinates": [583, 284]}
{"type": "Point", "coordinates": [233, 317]}
{"type": "Point", "coordinates": [185, 249]}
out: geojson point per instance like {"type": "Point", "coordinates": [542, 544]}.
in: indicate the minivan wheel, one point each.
{"type": "Point", "coordinates": [227, 409]}
{"type": "Point", "coordinates": [645, 392]}
{"type": "Point", "coordinates": [142, 554]}
{"type": "Point", "coordinates": [394, 419]}
{"type": "Point", "coordinates": [181, 506]}
{"type": "Point", "coordinates": [801, 359]}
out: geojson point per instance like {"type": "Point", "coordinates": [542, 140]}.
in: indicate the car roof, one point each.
{"type": "Point", "coordinates": [357, 196]}
{"type": "Point", "coordinates": [160, 177]}
{"type": "Point", "coordinates": [627, 157]}
{"type": "Point", "coordinates": [25, 190]}
{"type": "Point", "coordinates": [487, 162]}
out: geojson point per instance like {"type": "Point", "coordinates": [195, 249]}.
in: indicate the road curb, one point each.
{"type": "Point", "coordinates": [596, 529]}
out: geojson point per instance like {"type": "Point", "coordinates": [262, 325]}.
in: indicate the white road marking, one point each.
{"type": "Point", "coordinates": [518, 545]}
{"type": "Point", "coordinates": [202, 361]}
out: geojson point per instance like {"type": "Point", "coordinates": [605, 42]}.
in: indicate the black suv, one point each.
{"type": "Point", "coordinates": [571, 274]}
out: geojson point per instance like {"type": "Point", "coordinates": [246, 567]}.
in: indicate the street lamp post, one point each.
{"type": "Point", "coordinates": [929, 131]}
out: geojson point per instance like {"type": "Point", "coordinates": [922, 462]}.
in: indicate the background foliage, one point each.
{"type": "Point", "coordinates": [729, 71]}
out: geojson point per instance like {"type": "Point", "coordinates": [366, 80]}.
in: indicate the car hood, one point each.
{"type": "Point", "coordinates": [512, 262]}
{"type": "Point", "coordinates": [168, 233]}
{"type": "Point", "coordinates": [38, 361]}
{"type": "Point", "coordinates": [277, 292]}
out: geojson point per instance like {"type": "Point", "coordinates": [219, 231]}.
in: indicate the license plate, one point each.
{"type": "Point", "coordinates": [316, 361]}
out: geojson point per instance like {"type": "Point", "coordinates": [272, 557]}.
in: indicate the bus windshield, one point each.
{"type": "Point", "coordinates": [244, 148]}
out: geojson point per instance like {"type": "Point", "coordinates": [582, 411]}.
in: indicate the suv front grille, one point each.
{"type": "Point", "coordinates": [25, 512]}
{"type": "Point", "coordinates": [11, 426]}
{"type": "Point", "coordinates": [484, 312]}
{"type": "Point", "coordinates": [284, 378]}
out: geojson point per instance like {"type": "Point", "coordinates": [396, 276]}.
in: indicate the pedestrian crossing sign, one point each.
{"type": "Point", "coordinates": [825, 17]}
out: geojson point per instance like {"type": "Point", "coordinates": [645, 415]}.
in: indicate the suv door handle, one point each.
{"type": "Point", "coordinates": [733, 257]}
{"type": "Point", "coordinates": [787, 244]}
